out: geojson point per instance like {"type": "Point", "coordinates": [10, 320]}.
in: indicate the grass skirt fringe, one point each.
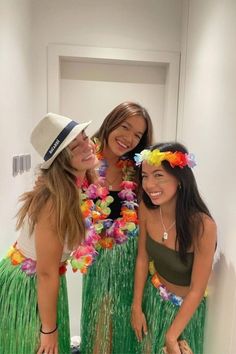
{"type": "Point", "coordinates": [106, 303]}
{"type": "Point", "coordinates": [160, 314]}
{"type": "Point", "coordinates": [20, 323]}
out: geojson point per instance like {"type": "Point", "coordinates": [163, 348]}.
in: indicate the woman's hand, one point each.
{"type": "Point", "coordinates": [138, 322]}
{"type": "Point", "coordinates": [48, 343]}
{"type": "Point", "coordinates": [172, 346]}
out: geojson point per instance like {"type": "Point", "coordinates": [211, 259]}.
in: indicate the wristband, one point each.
{"type": "Point", "coordinates": [54, 330]}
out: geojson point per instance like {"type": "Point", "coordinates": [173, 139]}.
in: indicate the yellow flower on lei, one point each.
{"type": "Point", "coordinates": [16, 256]}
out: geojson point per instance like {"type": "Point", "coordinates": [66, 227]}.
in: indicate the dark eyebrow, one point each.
{"type": "Point", "coordinates": [157, 170]}
{"type": "Point", "coordinates": [141, 133]}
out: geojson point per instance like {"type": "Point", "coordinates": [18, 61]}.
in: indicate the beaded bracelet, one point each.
{"type": "Point", "coordinates": [54, 330]}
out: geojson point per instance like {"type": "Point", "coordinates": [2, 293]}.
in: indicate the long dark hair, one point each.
{"type": "Point", "coordinates": [117, 116]}
{"type": "Point", "coordinates": [189, 205]}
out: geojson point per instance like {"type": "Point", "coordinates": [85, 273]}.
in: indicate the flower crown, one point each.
{"type": "Point", "coordinates": [155, 157]}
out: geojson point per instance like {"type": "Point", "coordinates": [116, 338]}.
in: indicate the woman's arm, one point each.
{"type": "Point", "coordinates": [49, 252]}
{"type": "Point", "coordinates": [141, 271]}
{"type": "Point", "coordinates": [202, 266]}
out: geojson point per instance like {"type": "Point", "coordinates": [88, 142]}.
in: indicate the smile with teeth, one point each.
{"type": "Point", "coordinates": [155, 194]}
{"type": "Point", "coordinates": [88, 156]}
{"type": "Point", "coordinates": [122, 144]}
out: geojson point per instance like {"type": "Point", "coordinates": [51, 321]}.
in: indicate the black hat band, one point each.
{"type": "Point", "coordinates": [59, 139]}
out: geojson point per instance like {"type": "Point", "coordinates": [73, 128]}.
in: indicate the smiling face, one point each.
{"type": "Point", "coordinates": [127, 135]}
{"type": "Point", "coordinates": [83, 153]}
{"type": "Point", "coordinates": [159, 185]}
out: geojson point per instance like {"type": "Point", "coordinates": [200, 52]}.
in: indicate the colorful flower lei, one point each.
{"type": "Point", "coordinates": [155, 157]}
{"type": "Point", "coordinates": [103, 232]}
{"type": "Point", "coordinates": [27, 265]}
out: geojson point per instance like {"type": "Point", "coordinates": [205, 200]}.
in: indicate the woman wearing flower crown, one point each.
{"type": "Point", "coordinates": [178, 236]}
{"type": "Point", "coordinates": [110, 209]}
{"type": "Point", "coordinates": [33, 295]}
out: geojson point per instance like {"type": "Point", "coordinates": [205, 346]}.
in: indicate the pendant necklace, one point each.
{"type": "Point", "coordinates": [111, 183]}
{"type": "Point", "coordinates": [165, 233]}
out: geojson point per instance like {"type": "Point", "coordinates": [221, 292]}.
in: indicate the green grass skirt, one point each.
{"type": "Point", "coordinates": [160, 314]}
{"type": "Point", "coordinates": [19, 322]}
{"type": "Point", "coordinates": [106, 302]}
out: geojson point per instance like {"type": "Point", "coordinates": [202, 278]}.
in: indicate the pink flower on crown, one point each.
{"type": "Point", "coordinates": [191, 160]}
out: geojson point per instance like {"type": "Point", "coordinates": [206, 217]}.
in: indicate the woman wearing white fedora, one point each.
{"type": "Point", "coordinates": [33, 295]}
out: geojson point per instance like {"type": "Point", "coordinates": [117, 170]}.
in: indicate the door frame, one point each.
{"type": "Point", "coordinates": [170, 60]}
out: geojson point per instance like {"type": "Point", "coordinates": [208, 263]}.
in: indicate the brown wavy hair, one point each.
{"type": "Point", "coordinates": [56, 185]}
{"type": "Point", "coordinates": [117, 116]}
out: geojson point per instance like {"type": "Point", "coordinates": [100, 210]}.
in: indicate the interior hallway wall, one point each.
{"type": "Point", "coordinates": [15, 108]}
{"type": "Point", "coordinates": [207, 125]}
{"type": "Point", "coordinates": [127, 24]}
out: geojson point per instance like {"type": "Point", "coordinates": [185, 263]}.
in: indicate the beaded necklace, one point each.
{"type": "Point", "coordinates": [103, 232]}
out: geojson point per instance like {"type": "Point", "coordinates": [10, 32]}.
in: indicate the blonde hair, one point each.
{"type": "Point", "coordinates": [57, 185]}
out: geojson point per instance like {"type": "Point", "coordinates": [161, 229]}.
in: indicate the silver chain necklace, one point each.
{"type": "Point", "coordinates": [165, 233]}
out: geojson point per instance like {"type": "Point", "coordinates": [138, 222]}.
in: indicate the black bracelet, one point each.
{"type": "Point", "coordinates": [54, 330]}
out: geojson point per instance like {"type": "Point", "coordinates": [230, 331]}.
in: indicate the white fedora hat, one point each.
{"type": "Point", "coordinates": [52, 134]}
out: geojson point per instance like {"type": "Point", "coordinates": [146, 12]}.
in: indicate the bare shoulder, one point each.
{"type": "Point", "coordinates": [208, 238]}
{"type": "Point", "coordinates": [47, 215]}
{"type": "Point", "coordinates": [209, 224]}
{"type": "Point", "coordinates": [143, 210]}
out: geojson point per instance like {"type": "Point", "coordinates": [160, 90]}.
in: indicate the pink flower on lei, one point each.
{"type": "Point", "coordinates": [29, 266]}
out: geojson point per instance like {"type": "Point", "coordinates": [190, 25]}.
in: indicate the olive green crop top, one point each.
{"type": "Point", "coordinates": [168, 263]}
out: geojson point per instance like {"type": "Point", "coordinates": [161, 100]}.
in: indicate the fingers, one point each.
{"type": "Point", "coordinates": [141, 329]}
{"type": "Point", "coordinates": [139, 324]}
{"type": "Point", "coordinates": [137, 327]}
{"type": "Point", "coordinates": [145, 330]}
{"type": "Point", "coordinates": [138, 333]}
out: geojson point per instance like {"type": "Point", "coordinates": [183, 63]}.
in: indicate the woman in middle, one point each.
{"type": "Point", "coordinates": [108, 282]}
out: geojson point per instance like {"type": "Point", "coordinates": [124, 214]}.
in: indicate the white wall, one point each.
{"type": "Point", "coordinates": [207, 125]}
{"type": "Point", "coordinates": [15, 108]}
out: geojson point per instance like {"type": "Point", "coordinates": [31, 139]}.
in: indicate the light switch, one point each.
{"type": "Point", "coordinates": [21, 164]}
{"type": "Point", "coordinates": [15, 165]}
{"type": "Point", "coordinates": [27, 162]}
{"type": "Point", "coordinates": [21, 169]}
